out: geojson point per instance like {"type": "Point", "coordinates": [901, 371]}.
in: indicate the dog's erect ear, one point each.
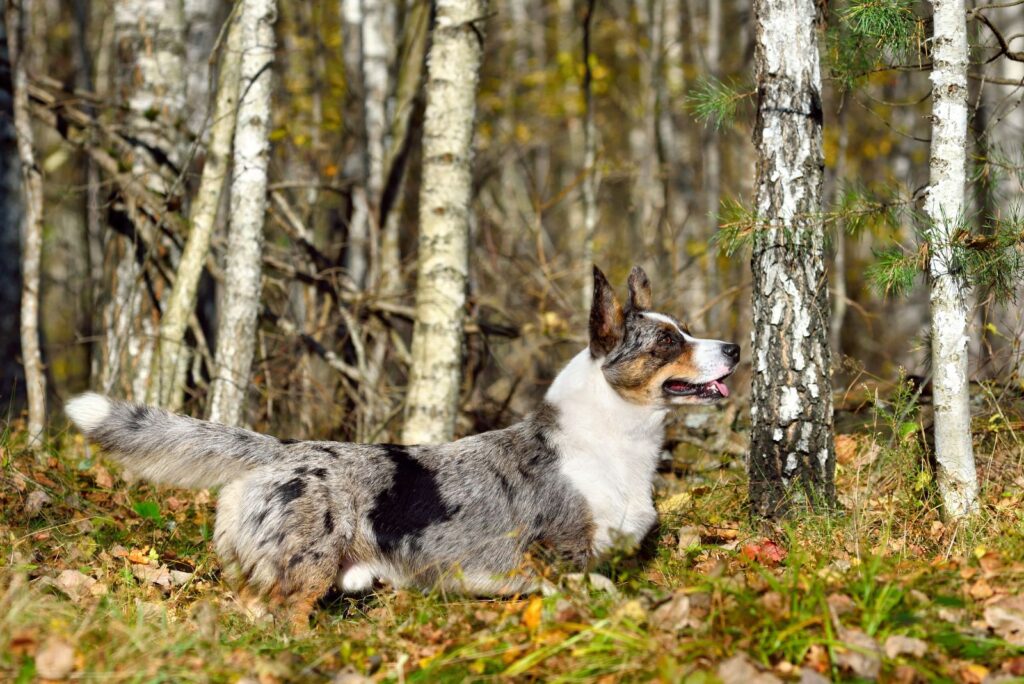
{"type": "Point", "coordinates": [639, 290]}
{"type": "Point", "coordinates": [607, 324]}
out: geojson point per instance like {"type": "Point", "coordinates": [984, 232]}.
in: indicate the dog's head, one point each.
{"type": "Point", "coordinates": [649, 358]}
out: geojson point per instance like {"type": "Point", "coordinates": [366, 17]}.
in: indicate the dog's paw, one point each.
{"type": "Point", "coordinates": [592, 580]}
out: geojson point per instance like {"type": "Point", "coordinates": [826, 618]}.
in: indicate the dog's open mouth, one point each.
{"type": "Point", "coordinates": [715, 389]}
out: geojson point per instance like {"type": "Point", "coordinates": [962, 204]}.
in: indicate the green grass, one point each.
{"type": "Point", "coordinates": [885, 565]}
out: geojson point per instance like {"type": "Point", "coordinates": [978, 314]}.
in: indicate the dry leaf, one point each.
{"type": "Point", "coordinates": [972, 673]}
{"type": "Point", "coordinates": [55, 659]}
{"type": "Point", "coordinates": [860, 654]}
{"type": "Point", "coordinates": [532, 613]}
{"type": "Point", "coordinates": [689, 538]}
{"type": "Point", "coordinates": [674, 614]}
{"type": "Point", "coordinates": [632, 610]}
{"type": "Point", "coordinates": [981, 590]}
{"type": "Point", "coordinates": [160, 576]}
{"type": "Point", "coordinates": [77, 586]}
{"type": "Point", "coordinates": [811, 676]}
{"type": "Point", "coordinates": [897, 645]}
{"type": "Point", "coordinates": [740, 669]}
{"type": "Point", "coordinates": [841, 604]}
{"type": "Point", "coordinates": [765, 552]}
{"type": "Point", "coordinates": [102, 477]}
{"type": "Point", "coordinates": [1005, 617]}
{"type": "Point", "coordinates": [35, 502]}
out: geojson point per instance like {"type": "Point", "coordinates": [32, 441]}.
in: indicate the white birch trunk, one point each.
{"type": "Point", "coordinates": [378, 40]}
{"type": "Point", "coordinates": [706, 280]}
{"type": "Point", "coordinates": [236, 329]}
{"type": "Point", "coordinates": [954, 454]}
{"type": "Point", "coordinates": [792, 455]}
{"type": "Point", "coordinates": [149, 37]}
{"type": "Point", "coordinates": [590, 178]}
{"type": "Point", "coordinates": [167, 386]}
{"type": "Point", "coordinates": [32, 222]}
{"type": "Point", "coordinates": [356, 253]}
{"type": "Point", "coordinates": [453, 72]}
{"type": "Point", "coordinates": [200, 17]}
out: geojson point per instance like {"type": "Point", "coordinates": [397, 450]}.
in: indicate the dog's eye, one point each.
{"type": "Point", "coordinates": [666, 340]}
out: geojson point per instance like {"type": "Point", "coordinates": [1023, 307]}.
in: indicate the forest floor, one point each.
{"type": "Point", "coordinates": [104, 580]}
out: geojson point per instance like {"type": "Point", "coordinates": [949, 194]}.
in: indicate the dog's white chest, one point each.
{"type": "Point", "coordinates": [617, 489]}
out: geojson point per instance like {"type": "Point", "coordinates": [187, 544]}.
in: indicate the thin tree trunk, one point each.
{"type": "Point", "coordinates": [236, 329]}
{"type": "Point", "coordinates": [150, 79]}
{"type": "Point", "coordinates": [708, 280]}
{"type": "Point", "coordinates": [643, 136]}
{"type": "Point", "coordinates": [839, 265]}
{"type": "Point", "coordinates": [791, 445]}
{"type": "Point", "coordinates": [32, 221]}
{"type": "Point", "coordinates": [589, 163]}
{"type": "Point", "coordinates": [201, 18]}
{"type": "Point", "coordinates": [453, 72]}
{"type": "Point", "coordinates": [356, 252]}
{"type": "Point", "coordinates": [168, 385]}
{"type": "Point", "coordinates": [378, 39]}
{"type": "Point", "coordinates": [12, 374]}
{"type": "Point", "coordinates": [954, 455]}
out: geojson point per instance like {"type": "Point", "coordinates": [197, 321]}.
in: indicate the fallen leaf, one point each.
{"type": "Point", "coordinates": [765, 552]}
{"type": "Point", "coordinates": [991, 564]}
{"type": "Point", "coordinates": [674, 614]}
{"type": "Point", "coordinates": [77, 586]}
{"type": "Point", "coordinates": [859, 653]}
{"type": "Point", "coordinates": [981, 590]}
{"type": "Point", "coordinates": [532, 613]}
{"type": "Point", "coordinates": [160, 576]}
{"type": "Point", "coordinates": [841, 604]}
{"type": "Point", "coordinates": [35, 502]}
{"type": "Point", "coordinates": [775, 604]}
{"type": "Point", "coordinates": [1005, 617]}
{"type": "Point", "coordinates": [972, 673]}
{"type": "Point", "coordinates": [897, 645]}
{"type": "Point", "coordinates": [180, 577]}
{"type": "Point", "coordinates": [689, 538]}
{"type": "Point", "coordinates": [102, 477]}
{"type": "Point", "coordinates": [632, 610]}
{"type": "Point", "coordinates": [811, 676]}
{"type": "Point", "coordinates": [55, 659]}
{"type": "Point", "coordinates": [740, 669]}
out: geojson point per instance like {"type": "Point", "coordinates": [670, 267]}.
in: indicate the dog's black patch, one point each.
{"type": "Point", "coordinates": [290, 490]}
{"type": "Point", "coordinates": [320, 473]}
{"type": "Point", "coordinates": [410, 505]}
{"type": "Point", "coordinates": [301, 470]}
{"type": "Point", "coordinates": [288, 441]}
{"type": "Point", "coordinates": [257, 519]}
{"type": "Point", "coordinates": [327, 450]}
{"type": "Point", "coordinates": [506, 486]}
{"type": "Point", "coordinates": [295, 560]}
{"type": "Point", "coordinates": [328, 522]}
{"type": "Point", "coordinates": [137, 417]}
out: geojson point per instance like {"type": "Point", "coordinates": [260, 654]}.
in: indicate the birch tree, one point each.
{"type": "Point", "coordinates": [32, 219]}
{"type": "Point", "coordinates": [453, 72]}
{"type": "Point", "coordinates": [149, 78]}
{"type": "Point", "coordinates": [236, 329]}
{"type": "Point", "coordinates": [171, 359]}
{"type": "Point", "coordinates": [954, 456]}
{"type": "Point", "coordinates": [791, 445]}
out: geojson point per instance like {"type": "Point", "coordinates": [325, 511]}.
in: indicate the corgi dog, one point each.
{"type": "Point", "coordinates": [571, 482]}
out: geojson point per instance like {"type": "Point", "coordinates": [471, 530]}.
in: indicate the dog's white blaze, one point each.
{"type": "Point", "coordinates": [88, 411]}
{"type": "Point", "coordinates": [609, 450]}
{"type": "Point", "coordinates": [707, 358]}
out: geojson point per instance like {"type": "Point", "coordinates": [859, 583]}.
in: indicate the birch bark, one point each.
{"type": "Point", "coordinates": [32, 220]}
{"type": "Point", "coordinates": [954, 454]}
{"type": "Point", "coordinates": [590, 178]}
{"type": "Point", "coordinates": [171, 361]}
{"type": "Point", "coordinates": [791, 446]}
{"type": "Point", "coordinates": [453, 72]}
{"type": "Point", "coordinates": [236, 329]}
{"type": "Point", "coordinates": [149, 80]}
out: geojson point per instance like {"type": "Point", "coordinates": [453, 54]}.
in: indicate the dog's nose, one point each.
{"type": "Point", "coordinates": [732, 351]}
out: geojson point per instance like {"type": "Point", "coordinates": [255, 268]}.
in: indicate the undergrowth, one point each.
{"type": "Point", "coordinates": [831, 595]}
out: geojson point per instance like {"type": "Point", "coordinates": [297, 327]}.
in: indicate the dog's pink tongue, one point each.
{"type": "Point", "coordinates": [720, 386]}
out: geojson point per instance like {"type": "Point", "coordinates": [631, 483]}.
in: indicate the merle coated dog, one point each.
{"type": "Point", "coordinates": [572, 480]}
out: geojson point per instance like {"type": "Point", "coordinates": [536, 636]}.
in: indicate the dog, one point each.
{"type": "Point", "coordinates": [571, 482]}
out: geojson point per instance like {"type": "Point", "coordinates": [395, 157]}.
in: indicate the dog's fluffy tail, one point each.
{"type": "Point", "coordinates": [167, 448]}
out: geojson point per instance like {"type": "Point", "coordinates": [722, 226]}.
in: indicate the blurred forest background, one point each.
{"type": "Point", "coordinates": [670, 84]}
